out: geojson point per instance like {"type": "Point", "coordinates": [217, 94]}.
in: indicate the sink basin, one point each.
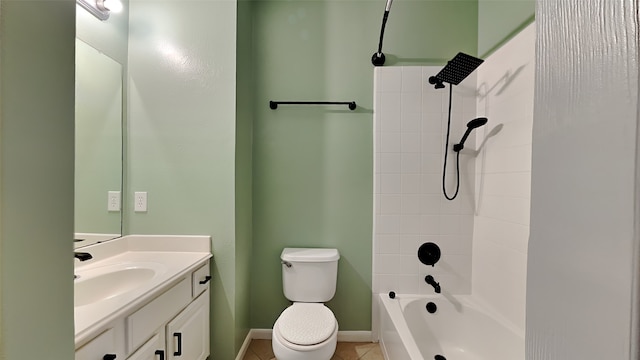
{"type": "Point", "coordinates": [107, 283]}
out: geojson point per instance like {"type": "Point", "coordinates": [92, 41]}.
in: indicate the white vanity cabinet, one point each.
{"type": "Point", "coordinates": [172, 324]}
{"type": "Point", "coordinates": [188, 333]}
{"type": "Point", "coordinates": [185, 337]}
{"type": "Point", "coordinates": [106, 346]}
{"type": "Point", "coordinates": [154, 349]}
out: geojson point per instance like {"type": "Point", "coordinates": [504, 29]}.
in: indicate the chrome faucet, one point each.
{"type": "Point", "coordinates": [431, 281]}
{"type": "Point", "coordinates": [82, 256]}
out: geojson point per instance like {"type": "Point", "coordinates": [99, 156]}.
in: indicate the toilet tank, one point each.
{"type": "Point", "coordinates": [309, 274]}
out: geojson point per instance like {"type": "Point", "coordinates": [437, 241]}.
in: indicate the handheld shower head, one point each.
{"type": "Point", "coordinates": [477, 122]}
{"type": "Point", "coordinates": [473, 124]}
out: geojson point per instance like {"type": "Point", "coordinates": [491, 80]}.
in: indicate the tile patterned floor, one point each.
{"type": "Point", "coordinates": [261, 350]}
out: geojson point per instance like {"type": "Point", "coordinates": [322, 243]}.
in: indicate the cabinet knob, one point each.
{"type": "Point", "coordinates": [109, 357]}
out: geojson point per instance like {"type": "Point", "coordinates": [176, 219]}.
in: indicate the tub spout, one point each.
{"type": "Point", "coordinates": [431, 281]}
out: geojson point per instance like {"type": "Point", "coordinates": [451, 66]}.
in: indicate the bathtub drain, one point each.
{"type": "Point", "coordinates": [431, 308]}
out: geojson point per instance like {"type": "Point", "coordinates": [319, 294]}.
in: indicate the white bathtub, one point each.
{"type": "Point", "coordinates": [460, 329]}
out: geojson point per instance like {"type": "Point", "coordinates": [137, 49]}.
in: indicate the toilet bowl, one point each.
{"type": "Point", "coordinates": [305, 331]}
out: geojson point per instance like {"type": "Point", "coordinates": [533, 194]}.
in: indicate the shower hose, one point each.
{"type": "Point", "coordinates": [446, 153]}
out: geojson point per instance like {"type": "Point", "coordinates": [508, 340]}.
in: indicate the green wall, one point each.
{"type": "Point", "coordinates": [313, 166]}
{"type": "Point", "coordinates": [244, 139]}
{"type": "Point", "coordinates": [36, 179]}
{"type": "Point", "coordinates": [500, 20]}
{"type": "Point", "coordinates": [182, 139]}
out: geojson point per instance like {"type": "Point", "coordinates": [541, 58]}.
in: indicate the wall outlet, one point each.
{"type": "Point", "coordinates": [140, 198]}
{"type": "Point", "coordinates": [113, 201]}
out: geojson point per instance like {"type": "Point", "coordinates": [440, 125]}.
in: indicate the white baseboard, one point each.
{"type": "Point", "coordinates": [244, 347]}
{"type": "Point", "coordinates": [266, 334]}
{"type": "Point", "coordinates": [354, 336]}
{"type": "Point", "coordinates": [261, 334]}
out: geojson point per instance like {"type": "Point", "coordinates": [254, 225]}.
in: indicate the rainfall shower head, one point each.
{"type": "Point", "coordinates": [473, 124]}
{"type": "Point", "coordinates": [456, 70]}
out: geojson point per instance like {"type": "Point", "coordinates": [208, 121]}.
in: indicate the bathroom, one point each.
{"type": "Point", "coordinates": [308, 164]}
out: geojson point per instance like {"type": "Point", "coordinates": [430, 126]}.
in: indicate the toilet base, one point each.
{"type": "Point", "coordinates": [322, 351]}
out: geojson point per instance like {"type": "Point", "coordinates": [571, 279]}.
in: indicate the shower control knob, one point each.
{"type": "Point", "coordinates": [429, 253]}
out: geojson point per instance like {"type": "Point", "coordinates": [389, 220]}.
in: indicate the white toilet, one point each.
{"type": "Point", "coordinates": [307, 330]}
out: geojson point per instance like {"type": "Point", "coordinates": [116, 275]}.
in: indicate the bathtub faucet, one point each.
{"type": "Point", "coordinates": [431, 281]}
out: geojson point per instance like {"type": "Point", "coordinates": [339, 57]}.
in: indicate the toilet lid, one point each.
{"type": "Point", "coordinates": [306, 323]}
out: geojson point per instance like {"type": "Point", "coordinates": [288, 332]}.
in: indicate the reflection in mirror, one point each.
{"type": "Point", "coordinates": [98, 146]}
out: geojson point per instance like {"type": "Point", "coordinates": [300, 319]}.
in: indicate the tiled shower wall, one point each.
{"type": "Point", "coordinates": [410, 127]}
{"type": "Point", "coordinates": [503, 179]}
{"type": "Point", "coordinates": [489, 221]}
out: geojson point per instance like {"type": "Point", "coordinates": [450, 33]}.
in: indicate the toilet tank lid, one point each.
{"type": "Point", "coordinates": [309, 255]}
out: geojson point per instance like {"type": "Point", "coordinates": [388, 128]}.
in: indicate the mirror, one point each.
{"type": "Point", "coordinates": [98, 146]}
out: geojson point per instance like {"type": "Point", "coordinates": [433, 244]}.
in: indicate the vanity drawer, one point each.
{"type": "Point", "coordinates": [101, 346]}
{"type": "Point", "coordinates": [201, 279]}
{"type": "Point", "coordinates": [152, 349]}
{"type": "Point", "coordinates": [142, 324]}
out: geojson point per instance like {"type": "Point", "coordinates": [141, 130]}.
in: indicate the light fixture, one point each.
{"type": "Point", "coordinates": [114, 6]}
{"type": "Point", "coordinates": [101, 8]}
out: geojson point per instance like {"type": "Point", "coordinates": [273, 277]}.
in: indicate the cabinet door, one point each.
{"type": "Point", "coordinates": [151, 350]}
{"type": "Point", "coordinates": [102, 347]}
{"type": "Point", "coordinates": [188, 333]}
{"type": "Point", "coordinates": [142, 324]}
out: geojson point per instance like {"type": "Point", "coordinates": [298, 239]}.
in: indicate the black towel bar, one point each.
{"type": "Point", "coordinates": [274, 104]}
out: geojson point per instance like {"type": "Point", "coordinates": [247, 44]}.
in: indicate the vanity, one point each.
{"type": "Point", "coordinates": [143, 298]}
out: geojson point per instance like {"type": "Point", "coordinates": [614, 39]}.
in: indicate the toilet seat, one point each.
{"type": "Point", "coordinates": [306, 324]}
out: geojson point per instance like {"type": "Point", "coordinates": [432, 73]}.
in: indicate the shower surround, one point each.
{"type": "Point", "coordinates": [484, 233]}
{"type": "Point", "coordinates": [410, 209]}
